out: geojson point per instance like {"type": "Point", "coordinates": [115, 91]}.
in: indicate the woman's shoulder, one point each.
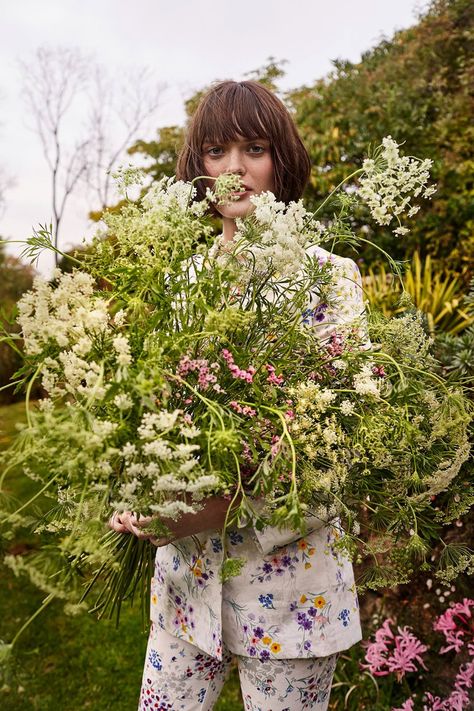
{"type": "Point", "coordinates": [341, 263]}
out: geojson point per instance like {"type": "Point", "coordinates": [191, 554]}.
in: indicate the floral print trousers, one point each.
{"type": "Point", "coordinates": [179, 676]}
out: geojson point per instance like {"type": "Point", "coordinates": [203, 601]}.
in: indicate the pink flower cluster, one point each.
{"type": "Point", "coordinates": [206, 378]}
{"type": "Point", "coordinates": [398, 654]}
{"type": "Point", "coordinates": [455, 623]}
{"type": "Point", "coordinates": [272, 378]}
{"type": "Point", "coordinates": [335, 346]}
{"type": "Point", "coordinates": [394, 653]}
{"type": "Point", "coordinates": [245, 410]}
{"type": "Point", "coordinates": [276, 445]}
{"type": "Point", "coordinates": [235, 370]}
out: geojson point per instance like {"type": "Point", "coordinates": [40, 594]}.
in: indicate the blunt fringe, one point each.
{"type": "Point", "coordinates": [248, 109]}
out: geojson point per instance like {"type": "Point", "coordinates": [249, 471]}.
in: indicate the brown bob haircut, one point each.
{"type": "Point", "coordinates": [248, 109]}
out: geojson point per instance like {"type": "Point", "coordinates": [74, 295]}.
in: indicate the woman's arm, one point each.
{"type": "Point", "coordinates": [210, 517]}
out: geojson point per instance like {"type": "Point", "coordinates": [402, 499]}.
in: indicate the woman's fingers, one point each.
{"type": "Point", "coordinates": [115, 523]}
{"type": "Point", "coordinates": [127, 522]}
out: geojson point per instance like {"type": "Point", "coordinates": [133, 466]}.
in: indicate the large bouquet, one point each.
{"type": "Point", "coordinates": [176, 367]}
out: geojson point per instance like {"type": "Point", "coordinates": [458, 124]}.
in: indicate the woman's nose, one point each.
{"type": "Point", "coordinates": [235, 163]}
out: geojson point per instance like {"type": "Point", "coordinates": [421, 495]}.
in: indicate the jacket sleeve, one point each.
{"type": "Point", "coordinates": [346, 310]}
{"type": "Point", "coordinates": [271, 538]}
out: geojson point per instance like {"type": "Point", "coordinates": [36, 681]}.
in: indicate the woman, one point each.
{"type": "Point", "coordinates": [294, 607]}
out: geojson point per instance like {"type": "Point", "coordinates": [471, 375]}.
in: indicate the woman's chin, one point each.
{"type": "Point", "coordinates": [240, 208]}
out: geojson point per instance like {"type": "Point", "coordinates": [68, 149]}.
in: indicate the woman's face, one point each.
{"type": "Point", "coordinates": [251, 159]}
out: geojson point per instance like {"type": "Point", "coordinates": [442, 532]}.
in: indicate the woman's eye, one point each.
{"type": "Point", "coordinates": [214, 151]}
{"type": "Point", "coordinates": [256, 149]}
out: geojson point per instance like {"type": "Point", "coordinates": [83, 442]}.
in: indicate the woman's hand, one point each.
{"type": "Point", "coordinates": [127, 522]}
{"type": "Point", "coordinates": [210, 517]}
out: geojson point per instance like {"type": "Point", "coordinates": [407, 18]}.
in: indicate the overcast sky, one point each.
{"type": "Point", "coordinates": [188, 44]}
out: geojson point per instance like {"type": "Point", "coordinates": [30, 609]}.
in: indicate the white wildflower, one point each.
{"type": "Point", "coordinates": [119, 318]}
{"type": "Point", "coordinates": [364, 383]}
{"type": "Point", "coordinates": [184, 450]}
{"type": "Point", "coordinates": [401, 231]}
{"type": "Point", "coordinates": [123, 401]}
{"type": "Point", "coordinates": [188, 465]}
{"type": "Point", "coordinates": [329, 435]}
{"type": "Point", "coordinates": [153, 422]}
{"type": "Point", "coordinates": [104, 467]}
{"type": "Point", "coordinates": [208, 481]}
{"type": "Point", "coordinates": [104, 428]}
{"type": "Point", "coordinates": [128, 451]}
{"type": "Point", "coordinates": [190, 431]}
{"type": "Point", "coordinates": [173, 509]}
{"type": "Point", "coordinates": [158, 448]}
{"type": "Point", "coordinates": [168, 482]}
{"type": "Point", "coordinates": [122, 348]}
{"type": "Point", "coordinates": [46, 405]}
{"type": "Point", "coordinates": [347, 407]}
{"type": "Point", "coordinates": [83, 346]}
{"type": "Point", "coordinates": [389, 181]}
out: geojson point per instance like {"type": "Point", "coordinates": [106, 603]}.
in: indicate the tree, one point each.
{"type": "Point", "coordinates": [416, 87]}
{"type": "Point", "coordinates": [15, 279]}
{"type": "Point", "coordinates": [52, 81]}
{"type": "Point", "coordinates": [118, 111]}
{"type": "Point", "coordinates": [55, 82]}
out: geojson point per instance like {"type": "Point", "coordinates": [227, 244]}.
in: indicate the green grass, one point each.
{"type": "Point", "coordinates": [63, 662]}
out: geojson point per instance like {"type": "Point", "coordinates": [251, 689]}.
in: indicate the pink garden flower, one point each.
{"type": "Point", "coordinates": [200, 365]}
{"type": "Point", "coordinates": [272, 378]}
{"type": "Point", "coordinates": [398, 654]}
{"type": "Point", "coordinates": [394, 653]}
{"type": "Point", "coordinates": [245, 410]}
{"type": "Point", "coordinates": [455, 623]}
{"type": "Point", "coordinates": [235, 370]}
{"type": "Point", "coordinates": [406, 706]}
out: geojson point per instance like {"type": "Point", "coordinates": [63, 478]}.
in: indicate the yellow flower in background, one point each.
{"type": "Point", "coordinates": [307, 565]}
{"type": "Point", "coordinates": [275, 647]}
{"type": "Point", "coordinates": [312, 551]}
{"type": "Point", "coordinates": [267, 640]}
{"type": "Point", "coordinates": [302, 545]}
{"type": "Point", "coordinates": [319, 601]}
{"type": "Point", "coordinates": [303, 599]}
{"type": "Point", "coordinates": [154, 599]}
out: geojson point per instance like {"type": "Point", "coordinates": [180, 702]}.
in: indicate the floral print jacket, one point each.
{"type": "Point", "coordinates": [295, 597]}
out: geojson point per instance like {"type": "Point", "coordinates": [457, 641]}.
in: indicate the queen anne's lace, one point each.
{"type": "Point", "coordinates": [390, 180]}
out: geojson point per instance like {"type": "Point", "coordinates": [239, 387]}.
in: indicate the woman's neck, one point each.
{"type": "Point", "coordinates": [229, 229]}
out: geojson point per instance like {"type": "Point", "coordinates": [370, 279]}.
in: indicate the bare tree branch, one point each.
{"type": "Point", "coordinates": [127, 104]}
{"type": "Point", "coordinates": [52, 81]}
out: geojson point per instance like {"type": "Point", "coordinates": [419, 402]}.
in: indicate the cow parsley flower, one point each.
{"type": "Point", "coordinates": [388, 182]}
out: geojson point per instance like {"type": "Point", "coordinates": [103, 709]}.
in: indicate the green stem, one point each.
{"type": "Point", "coordinates": [287, 436]}
{"type": "Point", "coordinates": [40, 609]}
{"type": "Point", "coordinates": [33, 498]}
{"type": "Point", "coordinates": [28, 393]}
{"type": "Point", "coordinates": [234, 498]}
{"type": "Point", "coordinates": [352, 175]}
